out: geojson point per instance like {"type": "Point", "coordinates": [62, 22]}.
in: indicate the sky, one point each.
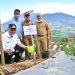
{"type": "Point", "coordinates": [39, 6]}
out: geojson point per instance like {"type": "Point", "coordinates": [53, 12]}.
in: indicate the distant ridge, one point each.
{"type": "Point", "coordinates": [54, 19]}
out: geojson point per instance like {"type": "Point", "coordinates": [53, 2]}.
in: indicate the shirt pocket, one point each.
{"type": "Point", "coordinates": [7, 45]}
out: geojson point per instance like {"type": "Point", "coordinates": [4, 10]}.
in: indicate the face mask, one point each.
{"type": "Point", "coordinates": [17, 16]}
{"type": "Point", "coordinates": [39, 20]}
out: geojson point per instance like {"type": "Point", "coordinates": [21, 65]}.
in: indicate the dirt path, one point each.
{"type": "Point", "coordinates": [60, 65]}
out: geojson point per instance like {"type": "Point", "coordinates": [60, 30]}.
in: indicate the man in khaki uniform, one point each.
{"type": "Point", "coordinates": [43, 34]}
{"type": "Point", "coordinates": [27, 38]}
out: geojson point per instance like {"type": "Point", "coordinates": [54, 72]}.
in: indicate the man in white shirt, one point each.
{"type": "Point", "coordinates": [10, 41]}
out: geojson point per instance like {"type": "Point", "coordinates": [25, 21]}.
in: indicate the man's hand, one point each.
{"type": "Point", "coordinates": [22, 46]}
{"type": "Point", "coordinates": [48, 37]}
{"type": "Point", "coordinates": [9, 51]}
{"type": "Point", "coordinates": [25, 47]}
{"type": "Point", "coordinates": [30, 23]}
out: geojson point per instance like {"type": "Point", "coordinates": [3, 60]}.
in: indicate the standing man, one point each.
{"type": "Point", "coordinates": [43, 34]}
{"type": "Point", "coordinates": [10, 41]}
{"type": "Point", "coordinates": [16, 20]}
{"type": "Point", "coordinates": [27, 38]}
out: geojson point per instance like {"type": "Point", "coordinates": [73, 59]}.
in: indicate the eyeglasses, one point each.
{"type": "Point", "coordinates": [13, 29]}
{"type": "Point", "coordinates": [27, 16]}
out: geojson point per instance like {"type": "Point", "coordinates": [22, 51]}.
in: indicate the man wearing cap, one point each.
{"type": "Point", "coordinates": [27, 39]}
{"type": "Point", "coordinates": [17, 21]}
{"type": "Point", "coordinates": [10, 41]}
{"type": "Point", "coordinates": [43, 34]}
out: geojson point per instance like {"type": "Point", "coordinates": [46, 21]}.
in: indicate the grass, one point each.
{"type": "Point", "coordinates": [70, 50]}
{"type": "Point", "coordinates": [70, 47]}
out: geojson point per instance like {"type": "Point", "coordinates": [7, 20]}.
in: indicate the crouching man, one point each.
{"type": "Point", "coordinates": [12, 44]}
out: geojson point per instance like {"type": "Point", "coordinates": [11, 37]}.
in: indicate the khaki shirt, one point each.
{"type": "Point", "coordinates": [42, 28]}
{"type": "Point", "coordinates": [26, 23]}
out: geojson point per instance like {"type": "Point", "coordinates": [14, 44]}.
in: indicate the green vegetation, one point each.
{"type": "Point", "coordinates": [68, 45]}
{"type": "Point", "coordinates": [70, 48]}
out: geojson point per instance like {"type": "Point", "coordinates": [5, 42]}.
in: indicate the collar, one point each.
{"type": "Point", "coordinates": [15, 19]}
{"type": "Point", "coordinates": [27, 21]}
{"type": "Point", "coordinates": [9, 36]}
{"type": "Point", "coordinates": [39, 21]}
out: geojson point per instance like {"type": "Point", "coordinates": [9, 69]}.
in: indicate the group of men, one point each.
{"type": "Point", "coordinates": [13, 45]}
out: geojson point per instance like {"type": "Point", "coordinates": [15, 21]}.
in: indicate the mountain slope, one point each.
{"type": "Point", "coordinates": [55, 19]}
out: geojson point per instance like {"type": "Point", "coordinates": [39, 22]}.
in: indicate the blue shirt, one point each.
{"type": "Point", "coordinates": [18, 24]}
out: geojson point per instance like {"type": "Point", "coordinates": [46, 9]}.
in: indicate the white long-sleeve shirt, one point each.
{"type": "Point", "coordinates": [9, 42]}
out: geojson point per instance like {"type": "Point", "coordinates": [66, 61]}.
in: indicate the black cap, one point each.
{"type": "Point", "coordinates": [13, 26]}
{"type": "Point", "coordinates": [27, 14]}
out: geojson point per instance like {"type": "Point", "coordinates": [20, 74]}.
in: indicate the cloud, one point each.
{"type": "Point", "coordinates": [56, 7]}
{"type": "Point", "coordinates": [6, 16]}
{"type": "Point", "coordinates": [42, 8]}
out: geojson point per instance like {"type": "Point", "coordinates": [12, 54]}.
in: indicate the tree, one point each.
{"type": "Point", "coordinates": [2, 51]}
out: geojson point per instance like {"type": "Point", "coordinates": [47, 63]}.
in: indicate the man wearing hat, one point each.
{"type": "Point", "coordinates": [43, 34]}
{"type": "Point", "coordinates": [10, 41]}
{"type": "Point", "coordinates": [27, 39]}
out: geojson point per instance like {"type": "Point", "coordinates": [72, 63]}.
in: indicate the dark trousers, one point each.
{"type": "Point", "coordinates": [18, 52]}
{"type": "Point", "coordinates": [8, 58]}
